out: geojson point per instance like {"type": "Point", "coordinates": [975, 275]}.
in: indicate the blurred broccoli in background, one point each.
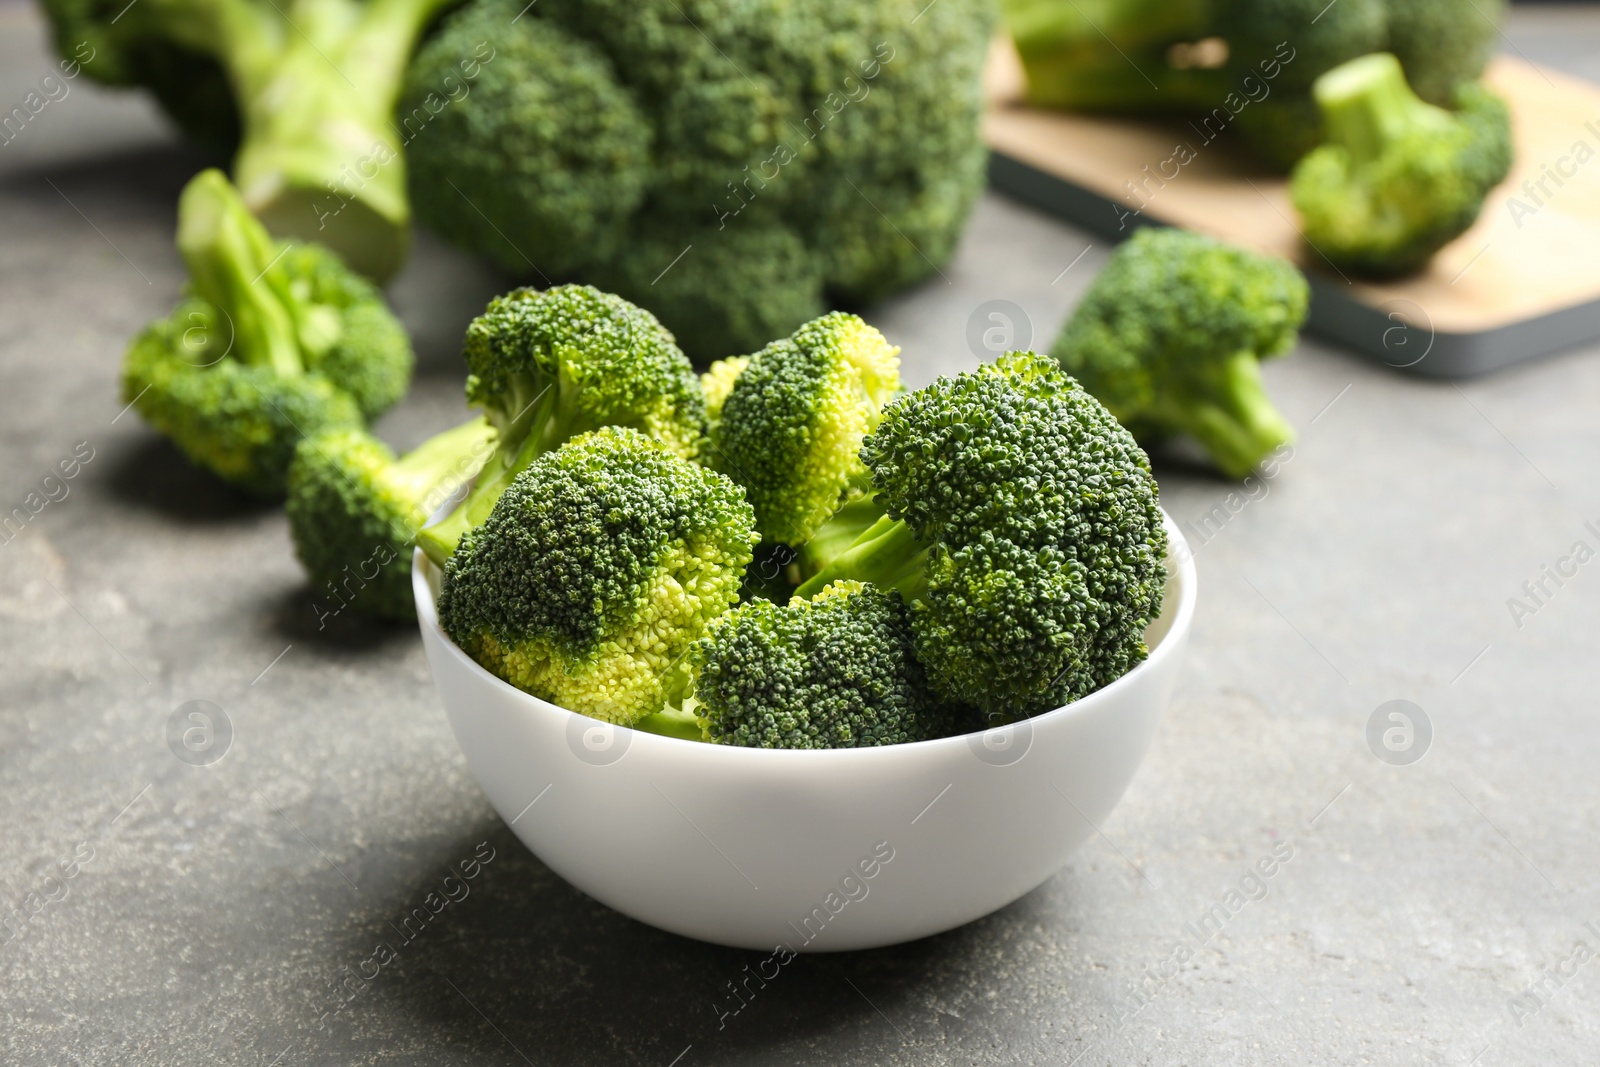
{"type": "Point", "coordinates": [276, 342]}
{"type": "Point", "coordinates": [1398, 178]}
{"type": "Point", "coordinates": [733, 165]}
{"type": "Point", "coordinates": [306, 90]}
{"type": "Point", "coordinates": [354, 509]}
{"type": "Point", "coordinates": [597, 569]}
{"type": "Point", "coordinates": [1188, 57]}
{"type": "Point", "coordinates": [1170, 336]}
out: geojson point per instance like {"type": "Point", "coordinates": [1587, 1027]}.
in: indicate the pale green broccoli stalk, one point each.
{"type": "Point", "coordinates": [598, 568]}
{"type": "Point", "coordinates": [313, 86]}
{"type": "Point", "coordinates": [1111, 55]}
{"type": "Point", "coordinates": [278, 341]}
{"type": "Point", "coordinates": [836, 671]}
{"type": "Point", "coordinates": [733, 165]}
{"type": "Point", "coordinates": [1170, 337]}
{"type": "Point", "coordinates": [545, 367]}
{"type": "Point", "coordinates": [790, 427]}
{"type": "Point", "coordinates": [1023, 527]}
{"type": "Point", "coordinates": [1398, 178]}
{"type": "Point", "coordinates": [354, 509]}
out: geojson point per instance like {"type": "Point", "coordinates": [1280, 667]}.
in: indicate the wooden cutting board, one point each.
{"type": "Point", "coordinates": [1524, 281]}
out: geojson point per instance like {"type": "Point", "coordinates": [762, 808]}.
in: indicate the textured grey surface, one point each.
{"type": "Point", "coordinates": [222, 904]}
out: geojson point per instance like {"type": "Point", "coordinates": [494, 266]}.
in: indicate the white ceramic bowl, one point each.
{"type": "Point", "coordinates": [811, 851]}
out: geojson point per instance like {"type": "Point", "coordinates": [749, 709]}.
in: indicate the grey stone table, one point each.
{"type": "Point", "coordinates": [1442, 912]}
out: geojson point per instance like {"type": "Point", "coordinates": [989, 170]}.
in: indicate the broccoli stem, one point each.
{"type": "Point", "coordinates": [316, 88]}
{"type": "Point", "coordinates": [1112, 54]}
{"type": "Point", "coordinates": [441, 463]}
{"type": "Point", "coordinates": [228, 252]}
{"type": "Point", "coordinates": [544, 422]}
{"type": "Point", "coordinates": [842, 530]}
{"type": "Point", "coordinates": [1236, 421]}
{"type": "Point", "coordinates": [887, 555]}
{"type": "Point", "coordinates": [1367, 105]}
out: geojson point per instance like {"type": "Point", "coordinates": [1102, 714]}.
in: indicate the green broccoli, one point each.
{"type": "Point", "coordinates": [1110, 55]}
{"type": "Point", "coordinates": [1399, 178]}
{"type": "Point", "coordinates": [354, 508]}
{"type": "Point", "coordinates": [1023, 527]}
{"type": "Point", "coordinates": [598, 568]}
{"type": "Point", "coordinates": [309, 89]}
{"type": "Point", "coordinates": [683, 272]}
{"type": "Point", "coordinates": [836, 671]}
{"type": "Point", "coordinates": [548, 366]}
{"type": "Point", "coordinates": [790, 153]}
{"type": "Point", "coordinates": [1170, 335]}
{"type": "Point", "coordinates": [790, 428]}
{"type": "Point", "coordinates": [277, 341]}
{"type": "Point", "coordinates": [1242, 65]}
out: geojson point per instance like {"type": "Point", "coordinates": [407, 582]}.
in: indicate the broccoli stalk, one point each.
{"type": "Point", "coordinates": [354, 507]}
{"type": "Point", "coordinates": [887, 554]}
{"type": "Point", "coordinates": [228, 252]}
{"type": "Point", "coordinates": [1398, 178]}
{"type": "Point", "coordinates": [546, 367]}
{"type": "Point", "coordinates": [277, 342]}
{"type": "Point", "coordinates": [1112, 55]}
{"type": "Point", "coordinates": [1230, 414]}
{"type": "Point", "coordinates": [314, 84]}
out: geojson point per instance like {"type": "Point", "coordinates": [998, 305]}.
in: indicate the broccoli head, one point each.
{"type": "Point", "coordinates": [1023, 527]}
{"type": "Point", "coordinates": [787, 152]}
{"type": "Point", "coordinates": [278, 341]}
{"type": "Point", "coordinates": [547, 366]}
{"type": "Point", "coordinates": [354, 509]}
{"type": "Point", "coordinates": [1443, 44]}
{"type": "Point", "coordinates": [308, 89]}
{"type": "Point", "coordinates": [1170, 336]}
{"type": "Point", "coordinates": [598, 568]}
{"type": "Point", "coordinates": [836, 671]}
{"type": "Point", "coordinates": [1398, 178]}
{"type": "Point", "coordinates": [791, 426]}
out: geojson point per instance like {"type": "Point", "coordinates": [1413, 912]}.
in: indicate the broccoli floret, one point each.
{"type": "Point", "coordinates": [838, 670]}
{"type": "Point", "coordinates": [278, 341]}
{"type": "Point", "coordinates": [1022, 525]}
{"type": "Point", "coordinates": [1443, 44]}
{"type": "Point", "coordinates": [806, 150]}
{"type": "Point", "coordinates": [1398, 178]}
{"type": "Point", "coordinates": [597, 569]}
{"type": "Point", "coordinates": [354, 509]}
{"type": "Point", "coordinates": [1170, 335]}
{"type": "Point", "coordinates": [716, 383]}
{"type": "Point", "coordinates": [790, 430]}
{"type": "Point", "coordinates": [312, 87]}
{"type": "Point", "coordinates": [545, 367]}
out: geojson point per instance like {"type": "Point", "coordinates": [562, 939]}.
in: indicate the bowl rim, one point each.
{"type": "Point", "coordinates": [1179, 563]}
